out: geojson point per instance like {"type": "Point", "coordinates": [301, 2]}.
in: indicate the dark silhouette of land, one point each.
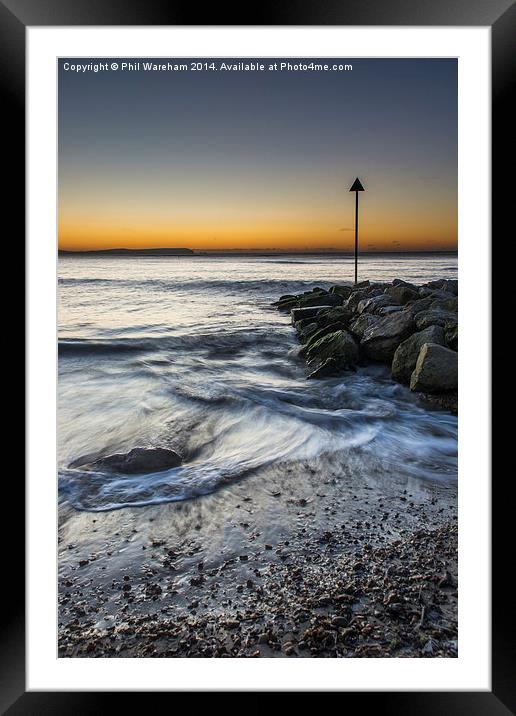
{"type": "Point", "coordinates": [128, 252]}
{"type": "Point", "coordinates": [246, 252]}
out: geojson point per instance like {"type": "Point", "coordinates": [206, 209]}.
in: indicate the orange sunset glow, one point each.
{"type": "Point", "coordinates": [232, 162]}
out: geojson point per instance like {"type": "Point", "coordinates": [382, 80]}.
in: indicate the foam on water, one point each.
{"type": "Point", "coordinates": [187, 353]}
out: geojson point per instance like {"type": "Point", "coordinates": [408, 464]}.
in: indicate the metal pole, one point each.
{"type": "Point", "coordinates": [356, 237]}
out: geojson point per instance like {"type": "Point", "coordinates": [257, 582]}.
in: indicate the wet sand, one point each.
{"type": "Point", "coordinates": [299, 560]}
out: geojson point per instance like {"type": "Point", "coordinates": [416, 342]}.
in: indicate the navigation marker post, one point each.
{"type": "Point", "coordinates": [356, 187]}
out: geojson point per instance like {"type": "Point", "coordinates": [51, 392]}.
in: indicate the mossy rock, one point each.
{"type": "Point", "coordinates": [332, 328]}
{"type": "Point", "coordinates": [344, 291]}
{"type": "Point", "coordinates": [359, 326]}
{"type": "Point", "coordinates": [354, 299]}
{"type": "Point", "coordinates": [303, 322]}
{"type": "Point", "coordinates": [285, 304]}
{"type": "Point", "coordinates": [319, 298]}
{"type": "Point", "coordinates": [307, 331]}
{"type": "Point", "coordinates": [339, 345]}
{"type": "Point", "coordinates": [337, 314]}
{"type": "Point", "coordinates": [327, 369]}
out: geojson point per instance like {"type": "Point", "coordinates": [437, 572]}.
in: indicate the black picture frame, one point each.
{"type": "Point", "coordinates": [500, 15]}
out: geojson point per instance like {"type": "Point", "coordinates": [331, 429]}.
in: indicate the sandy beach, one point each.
{"type": "Point", "coordinates": [294, 564]}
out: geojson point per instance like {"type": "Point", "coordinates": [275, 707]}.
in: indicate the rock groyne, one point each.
{"type": "Point", "coordinates": [412, 328]}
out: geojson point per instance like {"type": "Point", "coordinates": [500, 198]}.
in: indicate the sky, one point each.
{"type": "Point", "coordinates": [258, 160]}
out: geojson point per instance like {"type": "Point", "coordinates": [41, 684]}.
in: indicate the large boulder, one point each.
{"type": "Point", "coordinates": [297, 314]}
{"type": "Point", "coordinates": [306, 331]}
{"type": "Point", "coordinates": [451, 335]}
{"type": "Point", "coordinates": [402, 294]}
{"type": "Point", "coordinates": [137, 461]}
{"type": "Point", "coordinates": [338, 314]}
{"type": "Point", "coordinates": [359, 326]}
{"type": "Point", "coordinates": [303, 322]}
{"type": "Point", "coordinates": [343, 291]}
{"type": "Point", "coordinates": [407, 352]}
{"type": "Point", "coordinates": [450, 285]}
{"type": "Point", "coordinates": [285, 297]}
{"type": "Point", "coordinates": [382, 338]}
{"type": "Point", "coordinates": [326, 369]}
{"type": "Point", "coordinates": [434, 317]}
{"type": "Point", "coordinates": [373, 304]}
{"type": "Point", "coordinates": [354, 299]}
{"type": "Point", "coordinates": [321, 297]}
{"type": "Point", "coordinates": [318, 334]}
{"type": "Point", "coordinates": [439, 293]}
{"type": "Point", "coordinates": [285, 303]}
{"type": "Point", "coordinates": [387, 310]}
{"type": "Point", "coordinates": [339, 346]}
{"type": "Point", "coordinates": [436, 370]}
{"type": "Point", "coordinates": [380, 285]}
{"type": "Point", "coordinates": [448, 303]}
{"type": "Point", "coordinates": [308, 298]}
{"type": "Point", "coordinates": [405, 284]}
{"type": "Point", "coordinates": [422, 304]}
{"type": "Point", "coordinates": [445, 401]}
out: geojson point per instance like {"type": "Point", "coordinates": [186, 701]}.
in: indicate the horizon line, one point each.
{"type": "Point", "coordinates": [197, 252]}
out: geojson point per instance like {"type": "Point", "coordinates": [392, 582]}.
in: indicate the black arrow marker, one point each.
{"type": "Point", "coordinates": [356, 187]}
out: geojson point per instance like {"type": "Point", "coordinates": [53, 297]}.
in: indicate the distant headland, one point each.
{"type": "Point", "coordinates": [250, 252]}
{"type": "Point", "coordinates": [129, 252]}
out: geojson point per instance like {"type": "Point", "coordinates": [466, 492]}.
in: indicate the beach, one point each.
{"type": "Point", "coordinates": [307, 518]}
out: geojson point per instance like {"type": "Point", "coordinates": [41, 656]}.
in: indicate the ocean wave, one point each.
{"type": "Point", "coordinates": [227, 286]}
{"type": "Point", "coordinates": [231, 431]}
{"type": "Point", "coordinates": [82, 346]}
{"type": "Point", "coordinates": [209, 342]}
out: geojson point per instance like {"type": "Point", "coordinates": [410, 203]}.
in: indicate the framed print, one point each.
{"type": "Point", "coordinates": [253, 441]}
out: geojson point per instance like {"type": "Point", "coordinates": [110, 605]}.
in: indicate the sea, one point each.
{"type": "Point", "coordinates": [187, 353]}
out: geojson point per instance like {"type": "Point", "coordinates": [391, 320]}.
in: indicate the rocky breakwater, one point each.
{"type": "Point", "coordinates": [412, 328]}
